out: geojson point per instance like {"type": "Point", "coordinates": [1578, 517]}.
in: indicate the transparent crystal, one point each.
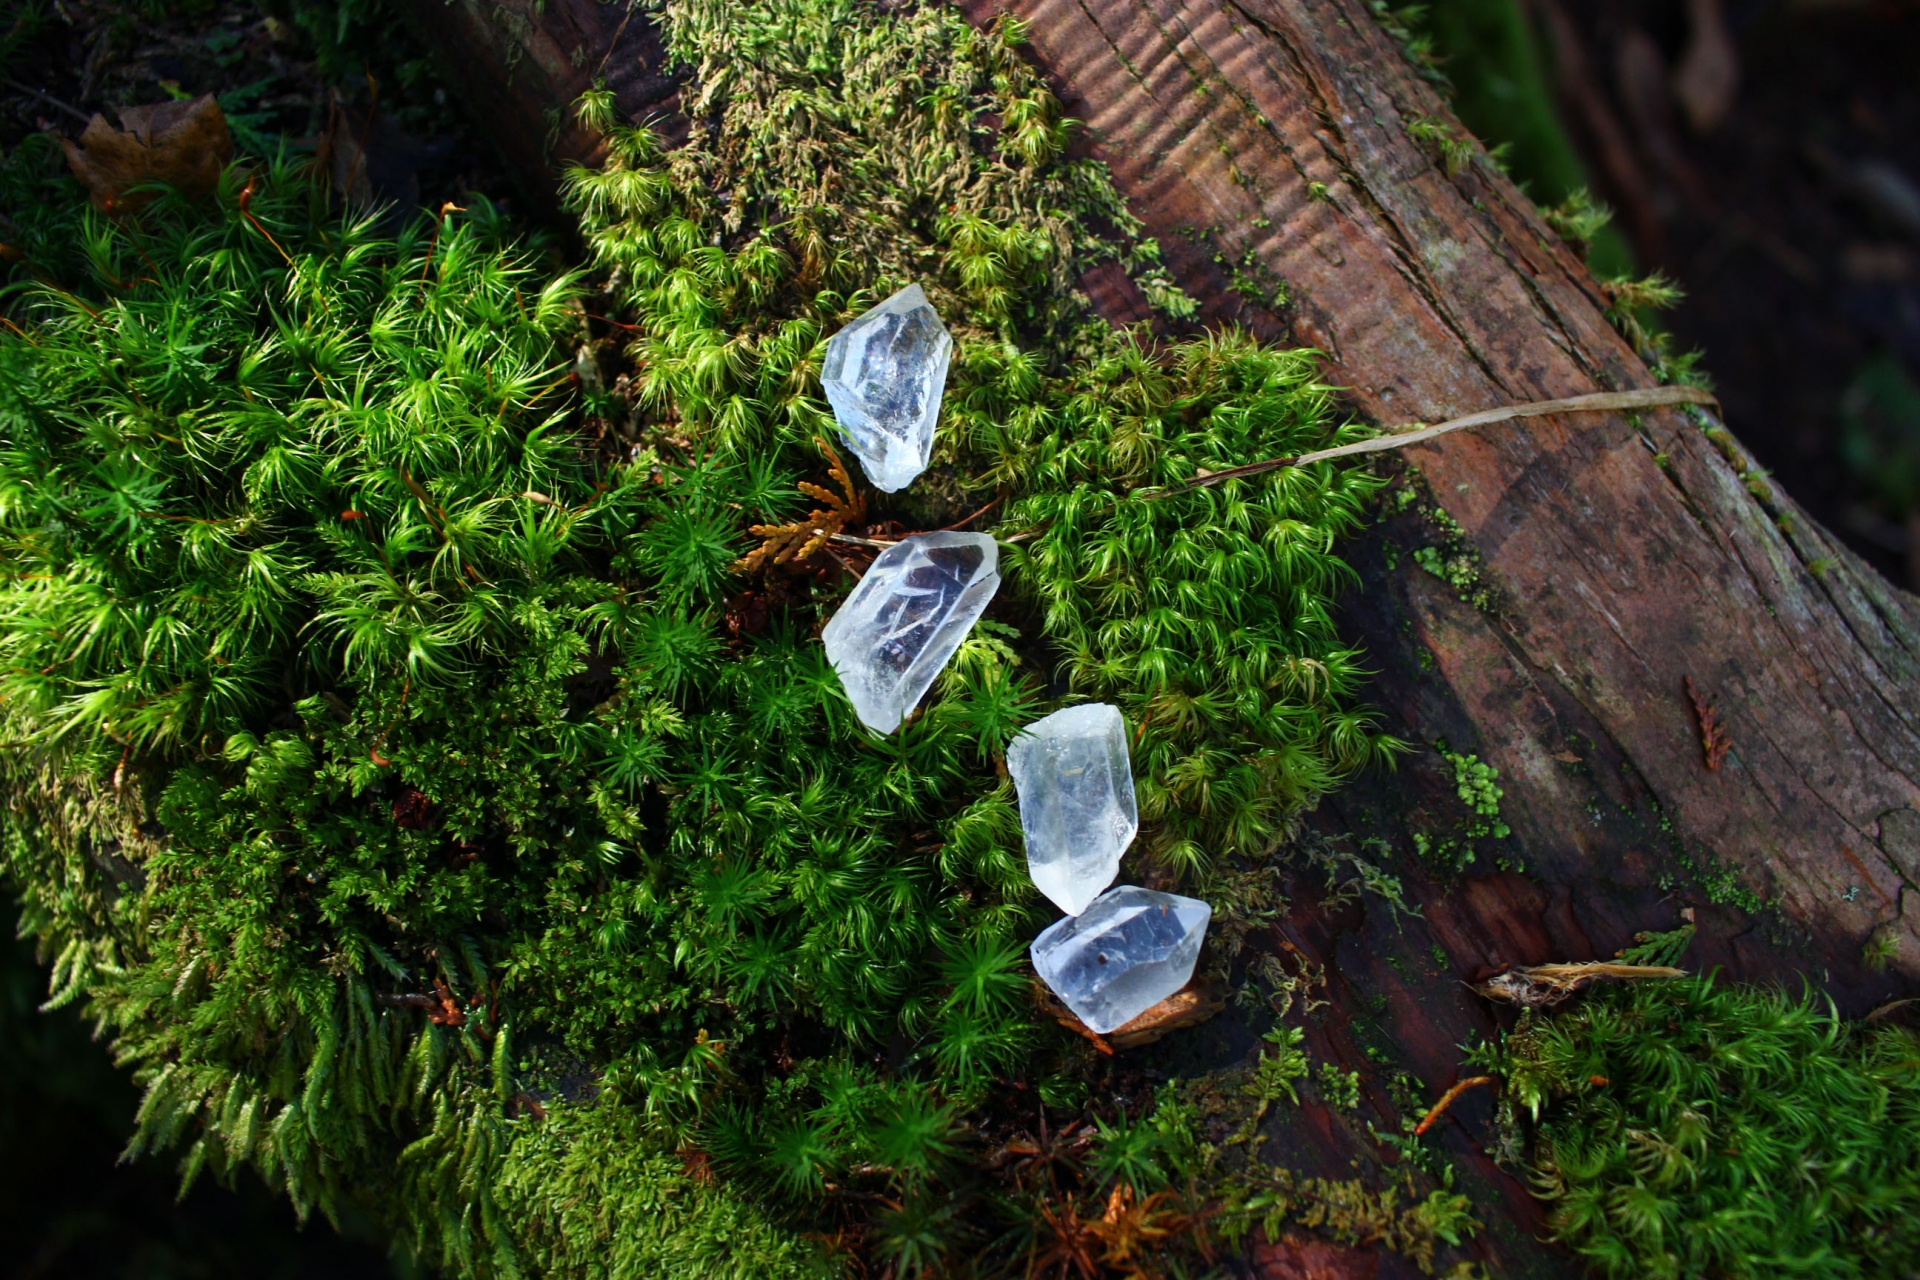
{"type": "Point", "coordinates": [884, 375]}
{"type": "Point", "coordinates": [1076, 801]}
{"type": "Point", "coordinates": [1123, 955]}
{"type": "Point", "coordinates": [909, 613]}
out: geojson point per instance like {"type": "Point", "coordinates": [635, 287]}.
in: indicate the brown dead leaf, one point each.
{"type": "Point", "coordinates": [183, 144]}
{"type": "Point", "coordinates": [1714, 739]}
{"type": "Point", "coordinates": [1295, 1257]}
{"type": "Point", "coordinates": [343, 153]}
{"type": "Point", "coordinates": [1189, 1006]}
{"type": "Point", "coordinates": [368, 157]}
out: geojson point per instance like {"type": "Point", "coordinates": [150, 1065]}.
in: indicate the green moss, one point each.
{"type": "Point", "coordinates": [1340, 1089]}
{"type": "Point", "coordinates": [1687, 1128]}
{"type": "Point", "coordinates": [1272, 1077]}
{"type": "Point", "coordinates": [591, 1194]}
{"type": "Point", "coordinates": [1414, 1212]}
{"type": "Point", "coordinates": [1454, 151]}
{"type": "Point", "coordinates": [1579, 218]}
{"type": "Point", "coordinates": [1475, 783]}
{"type": "Point", "coordinates": [1454, 559]}
{"type": "Point", "coordinates": [407, 787]}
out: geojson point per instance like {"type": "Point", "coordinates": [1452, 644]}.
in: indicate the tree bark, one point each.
{"type": "Point", "coordinates": [1627, 555]}
{"type": "Point", "coordinates": [519, 65]}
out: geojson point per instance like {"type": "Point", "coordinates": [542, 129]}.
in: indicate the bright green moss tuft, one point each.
{"type": "Point", "coordinates": [1685, 1128]}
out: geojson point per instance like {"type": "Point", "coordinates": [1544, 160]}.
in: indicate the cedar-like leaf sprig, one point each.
{"type": "Point", "coordinates": [802, 538]}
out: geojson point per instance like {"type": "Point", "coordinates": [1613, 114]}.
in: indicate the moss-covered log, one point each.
{"type": "Point", "coordinates": [1571, 584]}
{"type": "Point", "coordinates": [1640, 680]}
{"type": "Point", "coordinates": [1306, 180]}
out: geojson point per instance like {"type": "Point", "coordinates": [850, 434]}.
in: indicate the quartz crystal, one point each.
{"type": "Point", "coordinates": [1123, 955]}
{"type": "Point", "coordinates": [909, 613]}
{"type": "Point", "coordinates": [1076, 801]}
{"type": "Point", "coordinates": [884, 375]}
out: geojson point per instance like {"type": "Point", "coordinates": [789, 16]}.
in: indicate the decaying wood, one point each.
{"type": "Point", "coordinates": [1626, 557]}
{"type": "Point", "coordinates": [1622, 555]}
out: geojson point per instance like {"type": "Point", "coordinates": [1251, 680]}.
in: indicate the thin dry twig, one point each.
{"type": "Point", "coordinates": [614, 43]}
{"type": "Point", "coordinates": [967, 520]}
{"type": "Point", "coordinates": [48, 98]}
{"type": "Point", "coordinates": [1890, 1008]}
{"type": "Point", "coordinates": [1400, 438]}
{"type": "Point", "coordinates": [1447, 1099]}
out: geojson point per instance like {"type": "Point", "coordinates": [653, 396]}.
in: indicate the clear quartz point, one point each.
{"type": "Point", "coordinates": [1123, 955]}
{"type": "Point", "coordinates": [884, 375]}
{"type": "Point", "coordinates": [909, 613]}
{"type": "Point", "coordinates": [1076, 801]}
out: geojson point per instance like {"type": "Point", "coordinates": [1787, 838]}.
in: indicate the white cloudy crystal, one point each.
{"type": "Point", "coordinates": [884, 375]}
{"type": "Point", "coordinates": [909, 613]}
{"type": "Point", "coordinates": [1076, 801]}
{"type": "Point", "coordinates": [1123, 955]}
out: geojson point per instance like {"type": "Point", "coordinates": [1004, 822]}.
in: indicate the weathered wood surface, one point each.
{"type": "Point", "coordinates": [1628, 555]}
{"type": "Point", "coordinates": [1435, 296]}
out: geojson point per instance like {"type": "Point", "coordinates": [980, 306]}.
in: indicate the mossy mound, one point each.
{"type": "Point", "coordinates": [1685, 1128]}
{"type": "Point", "coordinates": [435, 813]}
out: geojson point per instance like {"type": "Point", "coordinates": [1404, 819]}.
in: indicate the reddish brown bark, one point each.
{"type": "Point", "coordinates": [1628, 556]}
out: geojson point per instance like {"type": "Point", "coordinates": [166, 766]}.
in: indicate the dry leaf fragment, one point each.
{"type": "Point", "coordinates": [368, 157]}
{"type": "Point", "coordinates": [1714, 739]}
{"type": "Point", "coordinates": [1190, 1005]}
{"type": "Point", "coordinates": [1299, 1257]}
{"type": "Point", "coordinates": [1132, 1231]}
{"type": "Point", "coordinates": [441, 1008]}
{"type": "Point", "coordinates": [1539, 985]}
{"type": "Point", "coordinates": [183, 144]}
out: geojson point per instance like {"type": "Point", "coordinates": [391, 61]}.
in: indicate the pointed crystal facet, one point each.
{"type": "Point", "coordinates": [1124, 954]}
{"type": "Point", "coordinates": [909, 613]}
{"type": "Point", "coordinates": [1076, 801]}
{"type": "Point", "coordinates": [884, 375]}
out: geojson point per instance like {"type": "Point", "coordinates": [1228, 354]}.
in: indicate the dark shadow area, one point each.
{"type": "Point", "coordinates": [68, 1208]}
{"type": "Point", "coordinates": [1765, 154]}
